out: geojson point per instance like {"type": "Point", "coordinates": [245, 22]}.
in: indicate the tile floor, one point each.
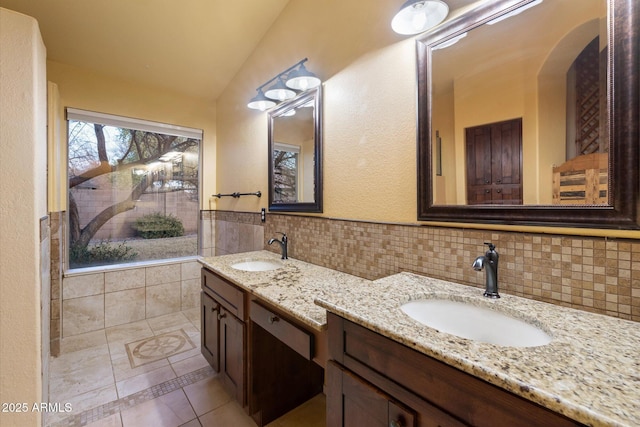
{"type": "Point", "coordinates": [150, 373]}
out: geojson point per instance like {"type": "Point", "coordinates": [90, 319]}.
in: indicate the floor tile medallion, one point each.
{"type": "Point", "coordinates": [158, 347]}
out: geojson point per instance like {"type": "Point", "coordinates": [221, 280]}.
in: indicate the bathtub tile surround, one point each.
{"type": "Point", "coordinates": [98, 300]}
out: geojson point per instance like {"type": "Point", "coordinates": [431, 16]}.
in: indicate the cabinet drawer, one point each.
{"type": "Point", "coordinates": [385, 362]}
{"type": "Point", "coordinates": [227, 294]}
{"type": "Point", "coordinates": [298, 339]}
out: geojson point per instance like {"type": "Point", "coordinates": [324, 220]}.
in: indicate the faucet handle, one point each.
{"type": "Point", "coordinates": [284, 236]}
{"type": "Point", "coordinates": [491, 246]}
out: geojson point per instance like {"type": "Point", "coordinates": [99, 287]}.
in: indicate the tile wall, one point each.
{"type": "Point", "coordinates": [98, 300]}
{"type": "Point", "coordinates": [56, 224]}
{"type": "Point", "coordinates": [233, 232]}
{"type": "Point", "coordinates": [589, 273]}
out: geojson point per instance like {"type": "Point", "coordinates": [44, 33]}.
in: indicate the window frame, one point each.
{"type": "Point", "coordinates": [113, 120]}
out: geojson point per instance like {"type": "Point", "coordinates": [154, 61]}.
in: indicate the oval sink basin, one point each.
{"type": "Point", "coordinates": [257, 265]}
{"type": "Point", "coordinates": [475, 323]}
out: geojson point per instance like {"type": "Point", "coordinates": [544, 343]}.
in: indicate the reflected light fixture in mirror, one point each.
{"type": "Point", "coordinates": [295, 78]}
{"type": "Point", "coordinates": [417, 16]}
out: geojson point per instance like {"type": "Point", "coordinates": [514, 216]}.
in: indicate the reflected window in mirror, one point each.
{"type": "Point", "coordinates": [516, 115]}
{"type": "Point", "coordinates": [295, 154]}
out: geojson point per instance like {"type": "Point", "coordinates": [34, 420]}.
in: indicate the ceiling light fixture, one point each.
{"type": "Point", "coordinates": [294, 78]}
{"type": "Point", "coordinates": [417, 16]}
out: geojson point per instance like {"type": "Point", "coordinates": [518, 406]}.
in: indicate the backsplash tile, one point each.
{"type": "Point", "coordinates": [590, 273]}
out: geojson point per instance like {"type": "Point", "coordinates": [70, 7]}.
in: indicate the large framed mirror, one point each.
{"type": "Point", "coordinates": [295, 154]}
{"type": "Point", "coordinates": [528, 114]}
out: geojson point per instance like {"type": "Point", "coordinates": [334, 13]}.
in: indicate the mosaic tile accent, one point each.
{"type": "Point", "coordinates": [595, 274]}
{"type": "Point", "coordinates": [158, 347]}
{"type": "Point", "coordinates": [108, 409]}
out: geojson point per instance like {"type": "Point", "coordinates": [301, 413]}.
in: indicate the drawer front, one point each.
{"type": "Point", "coordinates": [227, 294]}
{"type": "Point", "coordinates": [298, 339]}
{"type": "Point", "coordinates": [368, 353]}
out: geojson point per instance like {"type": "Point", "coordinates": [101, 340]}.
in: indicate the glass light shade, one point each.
{"type": "Point", "coordinates": [279, 91]}
{"type": "Point", "coordinates": [260, 102]}
{"type": "Point", "coordinates": [417, 16]}
{"type": "Point", "coordinates": [302, 79]}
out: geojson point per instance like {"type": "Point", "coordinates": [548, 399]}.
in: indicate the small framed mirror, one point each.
{"type": "Point", "coordinates": [295, 154]}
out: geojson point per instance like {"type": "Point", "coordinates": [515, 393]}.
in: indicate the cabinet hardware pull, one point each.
{"type": "Point", "coordinates": [214, 309]}
{"type": "Point", "coordinates": [221, 315]}
{"type": "Point", "coordinates": [487, 191]}
{"type": "Point", "coordinates": [499, 191]}
{"type": "Point", "coordinates": [273, 319]}
{"type": "Point", "coordinates": [395, 423]}
{"type": "Point", "coordinates": [499, 181]}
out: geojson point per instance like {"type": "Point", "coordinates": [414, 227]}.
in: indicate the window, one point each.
{"type": "Point", "coordinates": [285, 171]}
{"type": "Point", "coordinates": [133, 190]}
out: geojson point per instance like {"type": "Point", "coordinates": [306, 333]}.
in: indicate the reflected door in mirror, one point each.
{"type": "Point", "coordinates": [494, 163]}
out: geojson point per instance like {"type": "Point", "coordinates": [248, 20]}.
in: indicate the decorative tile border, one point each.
{"type": "Point", "coordinates": [108, 409]}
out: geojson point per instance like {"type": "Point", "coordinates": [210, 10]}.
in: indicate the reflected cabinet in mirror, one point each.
{"type": "Point", "coordinates": [528, 114]}
{"type": "Point", "coordinates": [295, 154]}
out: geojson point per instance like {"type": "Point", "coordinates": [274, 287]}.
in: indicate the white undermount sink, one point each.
{"type": "Point", "coordinates": [257, 265]}
{"type": "Point", "coordinates": [477, 323]}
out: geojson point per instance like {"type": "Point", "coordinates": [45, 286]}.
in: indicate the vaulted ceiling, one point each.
{"type": "Point", "coordinates": [193, 47]}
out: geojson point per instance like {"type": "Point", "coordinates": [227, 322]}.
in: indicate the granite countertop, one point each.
{"type": "Point", "coordinates": [291, 288]}
{"type": "Point", "coordinates": [589, 372]}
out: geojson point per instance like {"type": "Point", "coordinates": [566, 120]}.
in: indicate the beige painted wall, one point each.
{"type": "Point", "coordinates": [89, 90]}
{"type": "Point", "coordinates": [369, 110]}
{"type": "Point", "coordinates": [23, 202]}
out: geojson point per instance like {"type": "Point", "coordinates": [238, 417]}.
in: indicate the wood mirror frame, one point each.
{"type": "Point", "coordinates": [313, 96]}
{"type": "Point", "coordinates": [623, 210]}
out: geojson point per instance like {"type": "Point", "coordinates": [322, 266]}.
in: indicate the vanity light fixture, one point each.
{"type": "Point", "coordinates": [279, 92]}
{"type": "Point", "coordinates": [302, 79]}
{"type": "Point", "coordinates": [261, 102]}
{"type": "Point", "coordinates": [294, 78]}
{"type": "Point", "coordinates": [417, 16]}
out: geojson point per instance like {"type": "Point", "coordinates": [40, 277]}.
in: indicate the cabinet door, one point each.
{"type": "Point", "coordinates": [359, 403]}
{"type": "Point", "coordinates": [232, 357]}
{"type": "Point", "coordinates": [210, 327]}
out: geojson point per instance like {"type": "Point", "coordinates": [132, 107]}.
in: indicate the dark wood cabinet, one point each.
{"type": "Point", "coordinates": [269, 362]}
{"type": "Point", "coordinates": [210, 331]}
{"type": "Point", "coordinates": [363, 404]}
{"type": "Point", "coordinates": [368, 370]}
{"type": "Point", "coordinates": [223, 332]}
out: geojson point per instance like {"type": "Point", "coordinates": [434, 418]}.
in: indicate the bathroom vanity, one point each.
{"type": "Point", "coordinates": [262, 332]}
{"type": "Point", "coordinates": [383, 367]}
{"type": "Point", "coordinates": [373, 380]}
